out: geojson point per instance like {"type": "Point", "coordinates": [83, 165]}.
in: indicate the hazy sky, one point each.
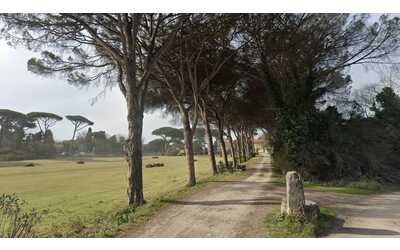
{"type": "Point", "coordinates": [26, 92]}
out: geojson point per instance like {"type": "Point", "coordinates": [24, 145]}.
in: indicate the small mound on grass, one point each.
{"type": "Point", "coordinates": [31, 164]}
{"type": "Point", "coordinates": [286, 226]}
{"type": "Point", "coordinates": [80, 162]}
{"type": "Point", "coordinates": [154, 165]}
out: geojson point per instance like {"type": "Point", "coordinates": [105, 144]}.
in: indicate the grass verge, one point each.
{"type": "Point", "coordinates": [362, 187]}
{"type": "Point", "coordinates": [111, 224]}
{"type": "Point", "coordinates": [284, 226]}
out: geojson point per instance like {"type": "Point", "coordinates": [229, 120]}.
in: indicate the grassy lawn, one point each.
{"type": "Point", "coordinates": [72, 195]}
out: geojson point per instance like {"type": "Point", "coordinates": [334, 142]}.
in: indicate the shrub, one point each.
{"type": "Point", "coordinates": [15, 221]}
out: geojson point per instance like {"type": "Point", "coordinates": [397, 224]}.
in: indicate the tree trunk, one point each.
{"type": "Point", "coordinates": [73, 135]}
{"type": "Point", "coordinates": [239, 146]}
{"type": "Point", "coordinates": [134, 149]}
{"type": "Point", "coordinates": [233, 151]}
{"type": "Point", "coordinates": [247, 146]}
{"type": "Point", "coordinates": [188, 138]}
{"type": "Point", "coordinates": [210, 145]}
{"type": "Point", "coordinates": [1, 135]}
{"type": "Point", "coordinates": [243, 145]}
{"type": "Point", "coordinates": [221, 139]}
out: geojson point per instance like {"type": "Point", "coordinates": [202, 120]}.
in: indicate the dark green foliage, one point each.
{"type": "Point", "coordinates": [389, 110]}
{"type": "Point", "coordinates": [79, 119]}
{"type": "Point", "coordinates": [14, 143]}
{"type": "Point", "coordinates": [44, 120]}
{"type": "Point", "coordinates": [16, 221]}
{"type": "Point", "coordinates": [169, 136]}
{"type": "Point", "coordinates": [38, 115]}
{"type": "Point", "coordinates": [171, 141]}
{"type": "Point", "coordinates": [325, 147]}
{"type": "Point", "coordinates": [155, 146]}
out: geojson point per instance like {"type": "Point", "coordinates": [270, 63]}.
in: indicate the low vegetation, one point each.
{"type": "Point", "coordinates": [285, 226]}
{"type": "Point", "coordinates": [16, 221]}
{"type": "Point", "coordinates": [363, 187]}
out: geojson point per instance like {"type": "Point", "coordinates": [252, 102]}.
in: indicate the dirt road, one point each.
{"type": "Point", "coordinates": [237, 209]}
{"type": "Point", "coordinates": [364, 216]}
{"type": "Point", "coordinates": [234, 209]}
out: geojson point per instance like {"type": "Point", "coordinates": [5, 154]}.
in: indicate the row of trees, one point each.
{"type": "Point", "coordinates": [237, 71]}
{"type": "Point", "coordinates": [171, 142]}
{"type": "Point", "coordinates": [15, 139]}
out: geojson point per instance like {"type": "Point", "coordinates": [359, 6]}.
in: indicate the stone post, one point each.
{"type": "Point", "coordinates": [294, 202]}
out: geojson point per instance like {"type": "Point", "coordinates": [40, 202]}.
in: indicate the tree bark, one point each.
{"type": "Point", "coordinates": [243, 145]}
{"type": "Point", "coordinates": [210, 145]}
{"type": "Point", "coordinates": [1, 135]}
{"type": "Point", "coordinates": [134, 151]}
{"type": "Point", "coordinates": [134, 99]}
{"type": "Point", "coordinates": [188, 138]}
{"type": "Point", "coordinates": [238, 143]}
{"type": "Point", "coordinates": [73, 135]}
{"type": "Point", "coordinates": [246, 144]}
{"type": "Point", "coordinates": [233, 150]}
{"type": "Point", "coordinates": [222, 142]}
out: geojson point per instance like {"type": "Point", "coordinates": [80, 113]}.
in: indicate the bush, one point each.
{"type": "Point", "coordinates": [15, 221]}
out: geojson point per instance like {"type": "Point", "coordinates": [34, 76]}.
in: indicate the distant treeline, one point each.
{"type": "Point", "coordinates": [18, 142]}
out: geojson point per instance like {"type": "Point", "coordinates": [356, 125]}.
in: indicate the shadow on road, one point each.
{"type": "Point", "coordinates": [366, 231]}
{"type": "Point", "coordinates": [256, 201]}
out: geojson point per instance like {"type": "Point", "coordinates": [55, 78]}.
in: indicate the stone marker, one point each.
{"type": "Point", "coordinates": [294, 202]}
{"type": "Point", "coordinates": [311, 210]}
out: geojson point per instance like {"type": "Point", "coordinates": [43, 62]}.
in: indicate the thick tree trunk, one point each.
{"type": "Point", "coordinates": [239, 146]}
{"type": "Point", "coordinates": [252, 146]}
{"type": "Point", "coordinates": [222, 142]}
{"type": "Point", "coordinates": [233, 150]}
{"type": "Point", "coordinates": [210, 145]}
{"type": "Point", "coordinates": [188, 138]}
{"type": "Point", "coordinates": [134, 149]}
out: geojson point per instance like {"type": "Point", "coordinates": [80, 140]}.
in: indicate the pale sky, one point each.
{"type": "Point", "coordinates": [26, 92]}
{"type": "Point", "coordinates": [23, 91]}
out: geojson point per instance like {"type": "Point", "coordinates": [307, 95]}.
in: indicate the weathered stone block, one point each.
{"type": "Point", "coordinates": [311, 210]}
{"type": "Point", "coordinates": [295, 201]}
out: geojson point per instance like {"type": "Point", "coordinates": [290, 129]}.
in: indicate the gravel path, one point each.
{"type": "Point", "coordinates": [237, 209]}
{"type": "Point", "coordinates": [233, 209]}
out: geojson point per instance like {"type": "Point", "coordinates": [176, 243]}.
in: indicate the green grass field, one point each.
{"type": "Point", "coordinates": [68, 193]}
